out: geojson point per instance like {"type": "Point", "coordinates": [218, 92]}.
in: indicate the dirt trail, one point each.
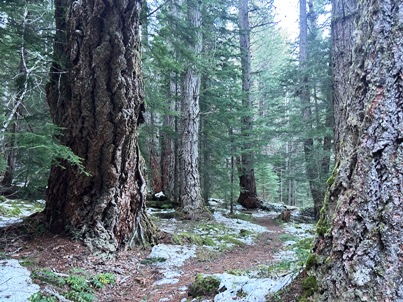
{"type": "Point", "coordinates": [135, 279]}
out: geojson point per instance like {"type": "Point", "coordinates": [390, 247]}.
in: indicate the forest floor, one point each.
{"type": "Point", "coordinates": [252, 255]}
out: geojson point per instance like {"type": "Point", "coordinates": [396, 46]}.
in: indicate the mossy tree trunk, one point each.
{"type": "Point", "coordinates": [359, 249]}
{"type": "Point", "coordinates": [95, 93]}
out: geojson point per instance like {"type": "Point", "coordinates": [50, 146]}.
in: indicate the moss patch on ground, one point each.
{"type": "Point", "coordinates": [204, 286]}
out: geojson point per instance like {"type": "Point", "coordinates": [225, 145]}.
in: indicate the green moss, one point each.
{"type": "Point", "coordinates": [206, 255]}
{"type": "Point", "coordinates": [323, 225]}
{"type": "Point", "coordinates": [311, 261]}
{"type": "Point", "coordinates": [305, 244]}
{"type": "Point", "coordinates": [243, 216]}
{"type": "Point", "coordinates": [236, 272]}
{"type": "Point", "coordinates": [287, 237]}
{"type": "Point", "coordinates": [184, 238]}
{"type": "Point", "coordinates": [231, 239]}
{"type": "Point", "coordinates": [310, 286]}
{"type": "Point", "coordinates": [245, 233]}
{"type": "Point", "coordinates": [204, 286]}
{"type": "Point", "coordinates": [330, 180]}
{"type": "Point", "coordinates": [14, 211]}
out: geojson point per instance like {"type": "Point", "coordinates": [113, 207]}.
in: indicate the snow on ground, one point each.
{"type": "Point", "coordinates": [238, 224]}
{"type": "Point", "coordinates": [301, 230]}
{"type": "Point", "coordinates": [15, 282]}
{"type": "Point", "coordinates": [8, 221]}
{"type": "Point", "coordinates": [175, 256]}
{"type": "Point", "coordinates": [246, 289]}
{"type": "Point", "coordinates": [14, 210]}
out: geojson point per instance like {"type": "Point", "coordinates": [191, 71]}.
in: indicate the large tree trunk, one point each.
{"type": "Point", "coordinates": [191, 200]}
{"type": "Point", "coordinates": [96, 94]}
{"type": "Point", "coordinates": [248, 195]}
{"type": "Point", "coordinates": [359, 249]}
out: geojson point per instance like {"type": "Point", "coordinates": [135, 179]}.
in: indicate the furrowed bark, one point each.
{"type": "Point", "coordinates": [96, 94]}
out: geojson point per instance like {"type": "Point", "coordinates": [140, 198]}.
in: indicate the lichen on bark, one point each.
{"type": "Point", "coordinates": [360, 256]}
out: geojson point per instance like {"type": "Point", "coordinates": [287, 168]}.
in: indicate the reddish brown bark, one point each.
{"type": "Point", "coordinates": [96, 94]}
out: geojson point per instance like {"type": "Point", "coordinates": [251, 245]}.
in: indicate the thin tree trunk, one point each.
{"type": "Point", "coordinates": [317, 189]}
{"type": "Point", "coordinates": [151, 119]}
{"type": "Point", "coordinates": [154, 156]}
{"type": "Point", "coordinates": [22, 88]}
{"type": "Point", "coordinates": [359, 249]}
{"type": "Point", "coordinates": [167, 143]}
{"type": "Point", "coordinates": [248, 195]}
{"type": "Point", "coordinates": [95, 93]}
{"type": "Point", "coordinates": [177, 147]}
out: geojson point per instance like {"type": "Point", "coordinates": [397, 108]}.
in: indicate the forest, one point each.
{"type": "Point", "coordinates": [187, 150]}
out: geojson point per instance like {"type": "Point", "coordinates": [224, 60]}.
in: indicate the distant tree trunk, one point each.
{"type": "Point", "coordinates": [95, 93]}
{"type": "Point", "coordinates": [11, 156]}
{"type": "Point", "coordinates": [317, 189]}
{"type": "Point", "coordinates": [151, 119]}
{"type": "Point", "coordinates": [154, 156]}
{"type": "Point", "coordinates": [205, 162]}
{"type": "Point", "coordinates": [178, 172]}
{"type": "Point", "coordinates": [191, 200]}
{"type": "Point", "coordinates": [248, 195]}
{"type": "Point", "coordinates": [22, 87]}
{"type": "Point", "coordinates": [359, 249]}
{"type": "Point", "coordinates": [168, 158]}
{"type": "Point", "coordinates": [204, 138]}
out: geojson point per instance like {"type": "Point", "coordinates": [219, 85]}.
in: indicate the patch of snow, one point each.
{"type": "Point", "coordinates": [261, 213]}
{"type": "Point", "coordinates": [21, 208]}
{"type": "Point", "coordinates": [239, 224]}
{"type": "Point", "coordinates": [301, 230]}
{"type": "Point", "coordinates": [175, 256]}
{"type": "Point", "coordinates": [244, 288]}
{"type": "Point", "coordinates": [152, 211]}
{"type": "Point", "coordinates": [285, 255]}
{"type": "Point", "coordinates": [15, 282]}
{"type": "Point", "coordinates": [159, 194]}
{"type": "Point", "coordinates": [5, 221]}
{"type": "Point", "coordinates": [168, 225]}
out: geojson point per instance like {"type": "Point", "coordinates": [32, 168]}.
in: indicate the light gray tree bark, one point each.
{"type": "Point", "coordinates": [168, 158]}
{"type": "Point", "coordinates": [191, 199]}
{"type": "Point", "coordinates": [359, 249]}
